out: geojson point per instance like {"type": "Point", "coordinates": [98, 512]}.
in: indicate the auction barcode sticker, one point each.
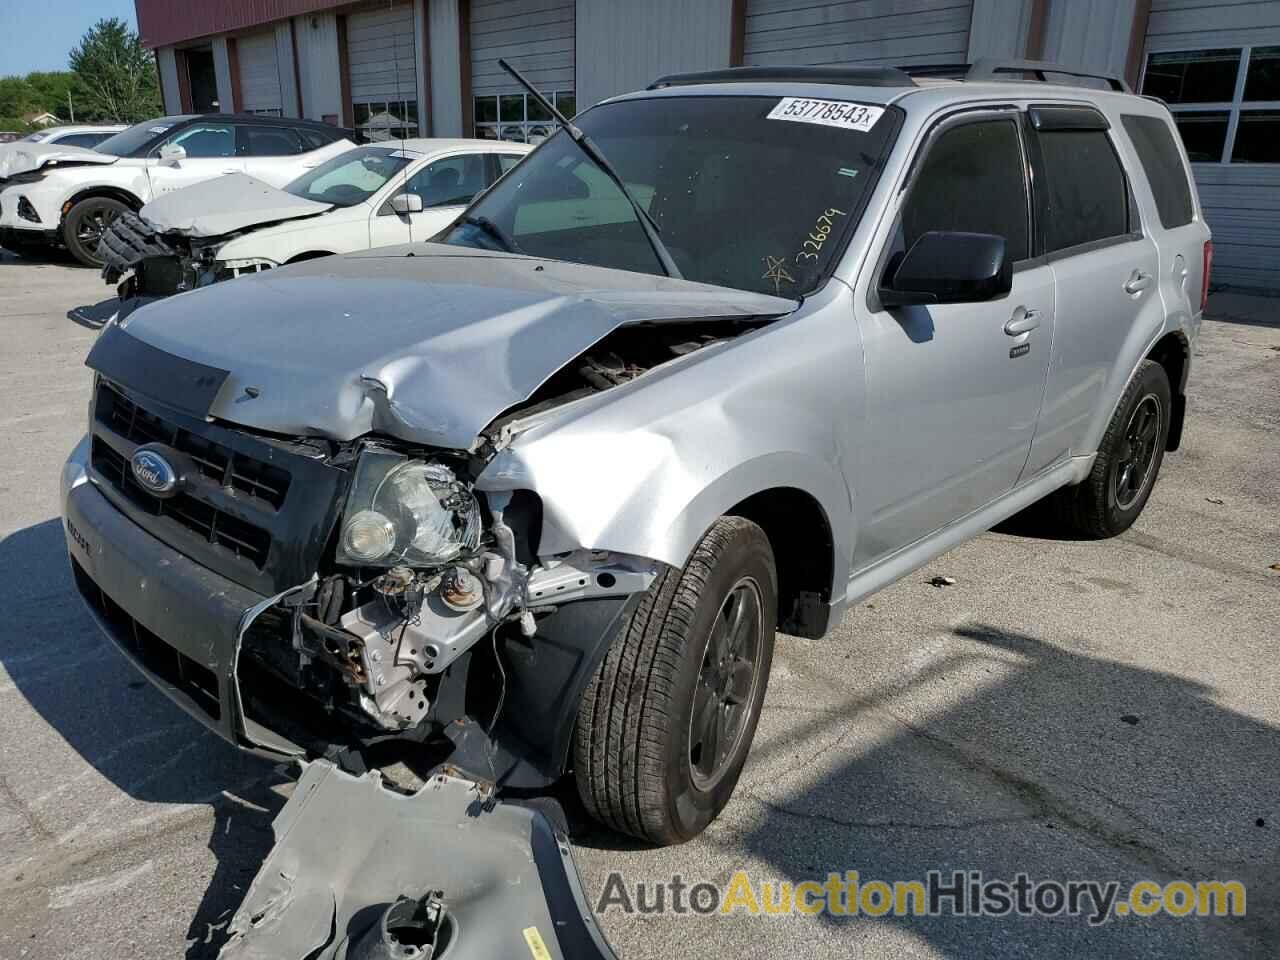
{"type": "Point", "coordinates": [828, 113]}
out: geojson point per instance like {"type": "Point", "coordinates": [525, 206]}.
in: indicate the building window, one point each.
{"type": "Point", "coordinates": [518, 118]}
{"type": "Point", "coordinates": [386, 120]}
{"type": "Point", "coordinates": [1225, 102]}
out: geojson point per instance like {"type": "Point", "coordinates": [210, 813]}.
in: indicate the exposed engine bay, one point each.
{"type": "Point", "coordinates": [425, 570]}
{"type": "Point", "coordinates": [432, 581]}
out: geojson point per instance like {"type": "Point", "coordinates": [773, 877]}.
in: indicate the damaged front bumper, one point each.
{"type": "Point", "coordinates": [207, 642]}
{"type": "Point", "coordinates": [178, 622]}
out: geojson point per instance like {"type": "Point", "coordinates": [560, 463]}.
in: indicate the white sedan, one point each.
{"type": "Point", "coordinates": [371, 196]}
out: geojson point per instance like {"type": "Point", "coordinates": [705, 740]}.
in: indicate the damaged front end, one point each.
{"type": "Point", "coordinates": [357, 600]}
{"type": "Point", "coordinates": [143, 262]}
{"type": "Point", "coordinates": [171, 245]}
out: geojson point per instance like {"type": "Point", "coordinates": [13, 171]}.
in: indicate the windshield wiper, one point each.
{"type": "Point", "coordinates": [495, 231]}
{"type": "Point", "coordinates": [587, 145]}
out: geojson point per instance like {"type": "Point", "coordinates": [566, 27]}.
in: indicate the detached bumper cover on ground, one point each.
{"type": "Point", "coordinates": [347, 848]}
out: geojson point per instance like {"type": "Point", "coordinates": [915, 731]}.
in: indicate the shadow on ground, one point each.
{"type": "Point", "coordinates": [1068, 766]}
{"type": "Point", "coordinates": [128, 731]}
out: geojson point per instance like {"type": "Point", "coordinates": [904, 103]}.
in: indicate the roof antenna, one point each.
{"type": "Point", "coordinates": [395, 65]}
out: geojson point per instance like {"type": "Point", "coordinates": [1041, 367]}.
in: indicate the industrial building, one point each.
{"type": "Point", "coordinates": [430, 67]}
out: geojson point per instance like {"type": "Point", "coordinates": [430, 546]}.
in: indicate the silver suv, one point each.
{"type": "Point", "coordinates": [722, 359]}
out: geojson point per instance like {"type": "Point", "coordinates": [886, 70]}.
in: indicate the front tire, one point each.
{"type": "Point", "coordinates": [85, 224]}
{"type": "Point", "coordinates": [666, 723]}
{"type": "Point", "coordinates": [1113, 495]}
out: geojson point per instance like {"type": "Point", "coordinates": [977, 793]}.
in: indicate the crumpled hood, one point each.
{"type": "Point", "coordinates": [427, 342]}
{"type": "Point", "coordinates": [22, 157]}
{"type": "Point", "coordinates": [224, 205]}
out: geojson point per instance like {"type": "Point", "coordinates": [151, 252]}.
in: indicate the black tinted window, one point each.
{"type": "Point", "coordinates": [1163, 165]}
{"type": "Point", "coordinates": [313, 139]}
{"type": "Point", "coordinates": [82, 139]}
{"type": "Point", "coordinates": [1085, 195]}
{"type": "Point", "coordinates": [972, 181]}
{"type": "Point", "coordinates": [256, 141]}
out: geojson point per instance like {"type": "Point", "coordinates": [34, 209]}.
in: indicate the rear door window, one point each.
{"type": "Point", "coordinates": [263, 141]}
{"type": "Point", "coordinates": [82, 139]}
{"type": "Point", "coordinates": [1085, 197]}
{"type": "Point", "coordinates": [1153, 141]}
{"type": "Point", "coordinates": [972, 180]}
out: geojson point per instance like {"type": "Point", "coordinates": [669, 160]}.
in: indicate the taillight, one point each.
{"type": "Point", "coordinates": [1204, 277]}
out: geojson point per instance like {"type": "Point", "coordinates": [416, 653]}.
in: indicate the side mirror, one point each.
{"type": "Point", "coordinates": [405, 203]}
{"type": "Point", "coordinates": [171, 153]}
{"type": "Point", "coordinates": [949, 267]}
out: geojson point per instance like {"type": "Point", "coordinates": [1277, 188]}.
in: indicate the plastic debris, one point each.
{"type": "Point", "coordinates": [1216, 500]}
{"type": "Point", "coordinates": [942, 582]}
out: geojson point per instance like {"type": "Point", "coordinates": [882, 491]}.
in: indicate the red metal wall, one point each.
{"type": "Point", "coordinates": [162, 22]}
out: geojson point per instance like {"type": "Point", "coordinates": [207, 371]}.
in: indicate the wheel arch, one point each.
{"type": "Point", "coordinates": [128, 198]}
{"type": "Point", "coordinates": [1173, 353]}
{"type": "Point", "coordinates": [799, 533]}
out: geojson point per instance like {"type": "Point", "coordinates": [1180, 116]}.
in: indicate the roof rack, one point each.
{"type": "Point", "coordinates": [992, 70]}
{"type": "Point", "coordinates": [846, 76]}
{"type": "Point", "coordinates": [953, 71]}
{"type": "Point", "coordinates": [996, 69]}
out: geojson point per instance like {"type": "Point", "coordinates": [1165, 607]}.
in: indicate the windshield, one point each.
{"type": "Point", "coordinates": [127, 142]}
{"type": "Point", "coordinates": [351, 177]}
{"type": "Point", "coordinates": [742, 198]}
{"type": "Point", "coordinates": [35, 137]}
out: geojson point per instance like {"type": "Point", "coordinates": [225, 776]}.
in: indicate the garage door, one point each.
{"type": "Point", "coordinates": [890, 32]}
{"type": "Point", "coordinates": [381, 56]}
{"type": "Point", "coordinates": [259, 74]}
{"type": "Point", "coordinates": [1216, 63]}
{"type": "Point", "coordinates": [537, 38]}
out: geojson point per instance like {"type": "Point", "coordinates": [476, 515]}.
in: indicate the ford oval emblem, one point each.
{"type": "Point", "coordinates": [154, 473]}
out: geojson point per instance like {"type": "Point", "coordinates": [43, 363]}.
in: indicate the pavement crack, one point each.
{"type": "Point", "coordinates": [11, 799]}
{"type": "Point", "coordinates": [883, 824]}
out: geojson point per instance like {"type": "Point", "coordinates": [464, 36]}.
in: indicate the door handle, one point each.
{"type": "Point", "coordinates": [1137, 282]}
{"type": "Point", "coordinates": [1023, 321]}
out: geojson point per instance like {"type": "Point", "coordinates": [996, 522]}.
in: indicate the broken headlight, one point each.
{"type": "Point", "coordinates": [404, 511]}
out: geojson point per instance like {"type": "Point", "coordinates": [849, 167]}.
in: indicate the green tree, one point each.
{"type": "Point", "coordinates": [17, 97]}
{"type": "Point", "coordinates": [115, 74]}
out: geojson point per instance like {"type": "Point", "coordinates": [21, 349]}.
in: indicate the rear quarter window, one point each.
{"type": "Point", "coordinates": [1162, 163]}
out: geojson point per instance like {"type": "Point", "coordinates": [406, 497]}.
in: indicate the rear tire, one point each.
{"type": "Point", "coordinates": [666, 723]}
{"type": "Point", "coordinates": [85, 224]}
{"type": "Point", "coordinates": [1113, 495]}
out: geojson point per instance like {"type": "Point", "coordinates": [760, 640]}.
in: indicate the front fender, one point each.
{"type": "Point", "coordinates": [645, 469]}
{"type": "Point", "coordinates": [648, 497]}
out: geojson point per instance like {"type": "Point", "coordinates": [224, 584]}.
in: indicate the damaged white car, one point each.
{"type": "Point", "coordinates": [370, 196]}
{"type": "Point", "coordinates": [531, 500]}
{"type": "Point", "coordinates": [67, 196]}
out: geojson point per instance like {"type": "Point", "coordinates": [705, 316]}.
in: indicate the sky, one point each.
{"type": "Point", "coordinates": [38, 34]}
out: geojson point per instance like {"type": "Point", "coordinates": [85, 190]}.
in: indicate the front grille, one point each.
{"type": "Point", "coordinates": [241, 539]}
{"type": "Point", "coordinates": [256, 510]}
{"type": "Point", "coordinates": [260, 481]}
{"type": "Point", "coordinates": [176, 669]}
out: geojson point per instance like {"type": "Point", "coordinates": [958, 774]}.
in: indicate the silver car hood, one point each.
{"type": "Point", "coordinates": [427, 342]}
{"type": "Point", "coordinates": [23, 157]}
{"type": "Point", "coordinates": [224, 205]}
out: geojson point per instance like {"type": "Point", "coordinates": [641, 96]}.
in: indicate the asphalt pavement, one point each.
{"type": "Point", "coordinates": [1065, 710]}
